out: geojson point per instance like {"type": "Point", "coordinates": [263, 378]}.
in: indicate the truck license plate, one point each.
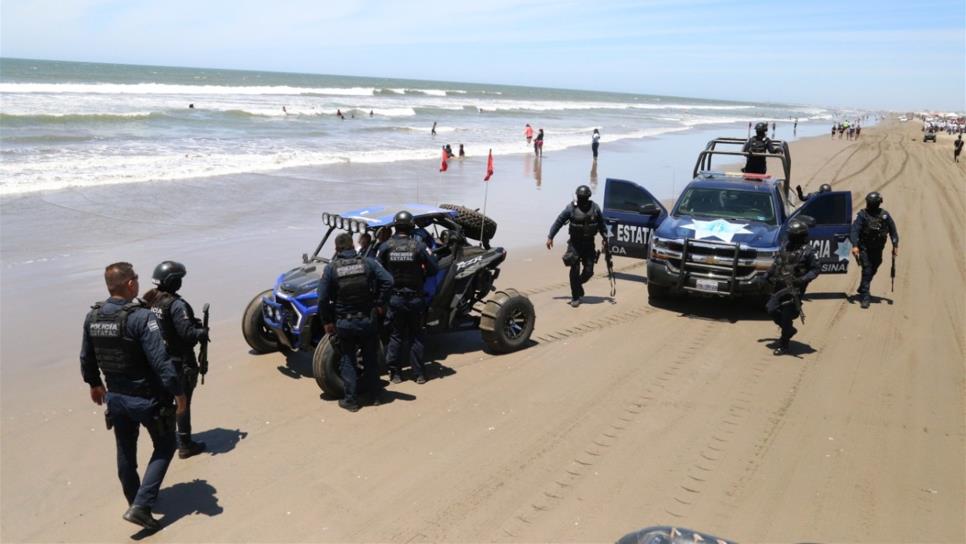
{"type": "Point", "coordinates": [707, 285]}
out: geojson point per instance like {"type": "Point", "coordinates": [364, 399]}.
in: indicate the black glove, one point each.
{"type": "Point", "coordinates": [203, 335]}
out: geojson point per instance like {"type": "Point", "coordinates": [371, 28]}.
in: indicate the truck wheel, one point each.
{"type": "Point", "coordinates": [325, 368]}
{"type": "Point", "coordinates": [507, 321]}
{"type": "Point", "coordinates": [261, 338]}
{"type": "Point", "coordinates": [658, 292]}
{"type": "Point", "coordinates": [471, 221]}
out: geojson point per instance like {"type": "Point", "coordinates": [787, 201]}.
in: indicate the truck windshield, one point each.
{"type": "Point", "coordinates": [727, 204]}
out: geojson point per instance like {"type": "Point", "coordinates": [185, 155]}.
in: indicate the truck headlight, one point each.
{"type": "Point", "coordinates": [660, 251]}
{"type": "Point", "coordinates": [764, 260]}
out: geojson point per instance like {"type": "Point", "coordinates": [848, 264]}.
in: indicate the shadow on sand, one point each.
{"type": "Point", "coordinates": [184, 499]}
{"type": "Point", "coordinates": [220, 440]}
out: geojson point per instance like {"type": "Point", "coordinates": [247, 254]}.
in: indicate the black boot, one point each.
{"type": "Point", "coordinates": [349, 404]}
{"type": "Point", "coordinates": [141, 515]}
{"type": "Point", "coordinates": [188, 447]}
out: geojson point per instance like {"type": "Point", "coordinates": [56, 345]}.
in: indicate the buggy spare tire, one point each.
{"type": "Point", "coordinates": [257, 334]}
{"type": "Point", "coordinates": [471, 220]}
{"type": "Point", "coordinates": [507, 321]}
{"type": "Point", "coordinates": [325, 368]}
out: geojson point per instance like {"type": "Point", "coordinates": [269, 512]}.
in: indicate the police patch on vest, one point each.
{"type": "Point", "coordinates": [105, 329]}
{"type": "Point", "coordinates": [350, 269]}
{"type": "Point", "coordinates": [153, 326]}
{"type": "Point", "coordinates": [401, 256]}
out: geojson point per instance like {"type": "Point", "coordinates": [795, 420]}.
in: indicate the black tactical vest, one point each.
{"type": "Point", "coordinates": [584, 224]}
{"type": "Point", "coordinates": [180, 349]}
{"type": "Point", "coordinates": [116, 352]}
{"type": "Point", "coordinates": [759, 145]}
{"type": "Point", "coordinates": [793, 263]}
{"type": "Point", "coordinates": [353, 281]}
{"type": "Point", "coordinates": [757, 165]}
{"type": "Point", "coordinates": [875, 230]}
{"type": "Point", "coordinates": [402, 261]}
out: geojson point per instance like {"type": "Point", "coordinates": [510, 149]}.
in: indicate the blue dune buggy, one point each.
{"type": "Point", "coordinates": [286, 316]}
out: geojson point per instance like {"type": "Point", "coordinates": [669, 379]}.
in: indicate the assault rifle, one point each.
{"type": "Point", "coordinates": [609, 259]}
{"type": "Point", "coordinates": [893, 273]}
{"type": "Point", "coordinates": [788, 291]}
{"type": "Point", "coordinates": [203, 350]}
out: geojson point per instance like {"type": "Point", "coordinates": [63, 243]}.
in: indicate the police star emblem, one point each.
{"type": "Point", "coordinates": [843, 250]}
{"type": "Point", "coordinates": [719, 228]}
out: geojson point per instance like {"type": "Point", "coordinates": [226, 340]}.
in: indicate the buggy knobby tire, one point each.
{"type": "Point", "coordinates": [325, 368]}
{"type": "Point", "coordinates": [471, 220]}
{"type": "Point", "coordinates": [507, 321]}
{"type": "Point", "coordinates": [259, 337]}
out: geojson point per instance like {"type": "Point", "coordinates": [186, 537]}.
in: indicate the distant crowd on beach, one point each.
{"type": "Point", "coordinates": [852, 131]}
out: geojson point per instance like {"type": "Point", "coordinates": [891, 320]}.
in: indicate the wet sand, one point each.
{"type": "Point", "coordinates": [622, 415]}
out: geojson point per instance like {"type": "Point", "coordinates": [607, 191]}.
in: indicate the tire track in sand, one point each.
{"type": "Point", "coordinates": [594, 452]}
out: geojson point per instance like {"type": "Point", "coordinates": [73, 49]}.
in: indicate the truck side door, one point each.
{"type": "Point", "coordinates": [630, 213]}
{"type": "Point", "coordinates": [832, 214]}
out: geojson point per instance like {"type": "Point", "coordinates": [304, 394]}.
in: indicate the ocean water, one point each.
{"type": "Point", "coordinates": [68, 124]}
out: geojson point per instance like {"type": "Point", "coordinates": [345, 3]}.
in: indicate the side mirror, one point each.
{"type": "Point", "coordinates": [807, 219]}
{"type": "Point", "coordinates": [305, 258]}
{"type": "Point", "coordinates": [650, 209]}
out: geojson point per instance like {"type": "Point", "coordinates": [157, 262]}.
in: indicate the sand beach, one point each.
{"type": "Point", "coordinates": [620, 416]}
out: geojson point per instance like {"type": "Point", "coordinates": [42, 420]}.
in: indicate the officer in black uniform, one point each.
{"type": "Point", "coordinates": [410, 263]}
{"type": "Point", "coordinates": [182, 331]}
{"type": "Point", "coordinates": [122, 339]}
{"type": "Point", "coordinates": [795, 266]}
{"type": "Point", "coordinates": [352, 288]}
{"type": "Point", "coordinates": [586, 221]}
{"type": "Point", "coordinates": [869, 232]}
{"type": "Point", "coordinates": [759, 143]}
{"type": "Point", "coordinates": [824, 188]}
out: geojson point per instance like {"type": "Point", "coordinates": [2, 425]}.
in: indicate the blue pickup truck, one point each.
{"type": "Point", "coordinates": [725, 228]}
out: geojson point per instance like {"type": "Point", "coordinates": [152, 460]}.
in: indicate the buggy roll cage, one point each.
{"type": "Point", "coordinates": [356, 226]}
{"type": "Point", "coordinates": [779, 150]}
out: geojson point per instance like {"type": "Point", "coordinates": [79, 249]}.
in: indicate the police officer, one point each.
{"type": "Point", "coordinates": [759, 143]}
{"type": "Point", "coordinates": [794, 267]}
{"type": "Point", "coordinates": [410, 263]}
{"type": "Point", "coordinates": [824, 188]}
{"type": "Point", "coordinates": [181, 331]}
{"type": "Point", "coordinates": [869, 232]}
{"type": "Point", "coordinates": [122, 340]}
{"type": "Point", "coordinates": [351, 289]}
{"type": "Point", "coordinates": [586, 221]}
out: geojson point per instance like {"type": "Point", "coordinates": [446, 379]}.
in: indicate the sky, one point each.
{"type": "Point", "coordinates": [885, 54]}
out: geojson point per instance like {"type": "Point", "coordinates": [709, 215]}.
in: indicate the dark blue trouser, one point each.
{"type": "Point", "coordinates": [404, 339]}
{"type": "Point", "coordinates": [784, 314]}
{"type": "Point", "coordinates": [585, 253]}
{"type": "Point", "coordinates": [871, 258]}
{"type": "Point", "coordinates": [128, 414]}
{"type": "Point", "coordinates": [356, 334]}
{"type": "Point", "coordinates": [189, 380]}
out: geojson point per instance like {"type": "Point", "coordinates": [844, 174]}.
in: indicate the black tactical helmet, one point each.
{"type": "Point", "coordinates": [403, 221]}
{"type": "Point", "coordinates": [873, 199]}
{"type": "Point", "coordinates": [583, 193]}
{"type": "Point", "coordinates": [167, 276]}
{"type": "Point", "coordinates": [797, 231]}
{"type": "Point", "coordinates": [761, 126]}
{"type": "Point", "coordinates": [825, 188]}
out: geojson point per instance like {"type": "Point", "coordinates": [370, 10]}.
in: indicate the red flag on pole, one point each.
{"type": "Point", "coordinates": [443, 165]}
{"type": "Point", "coordinates": [489, 167]}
